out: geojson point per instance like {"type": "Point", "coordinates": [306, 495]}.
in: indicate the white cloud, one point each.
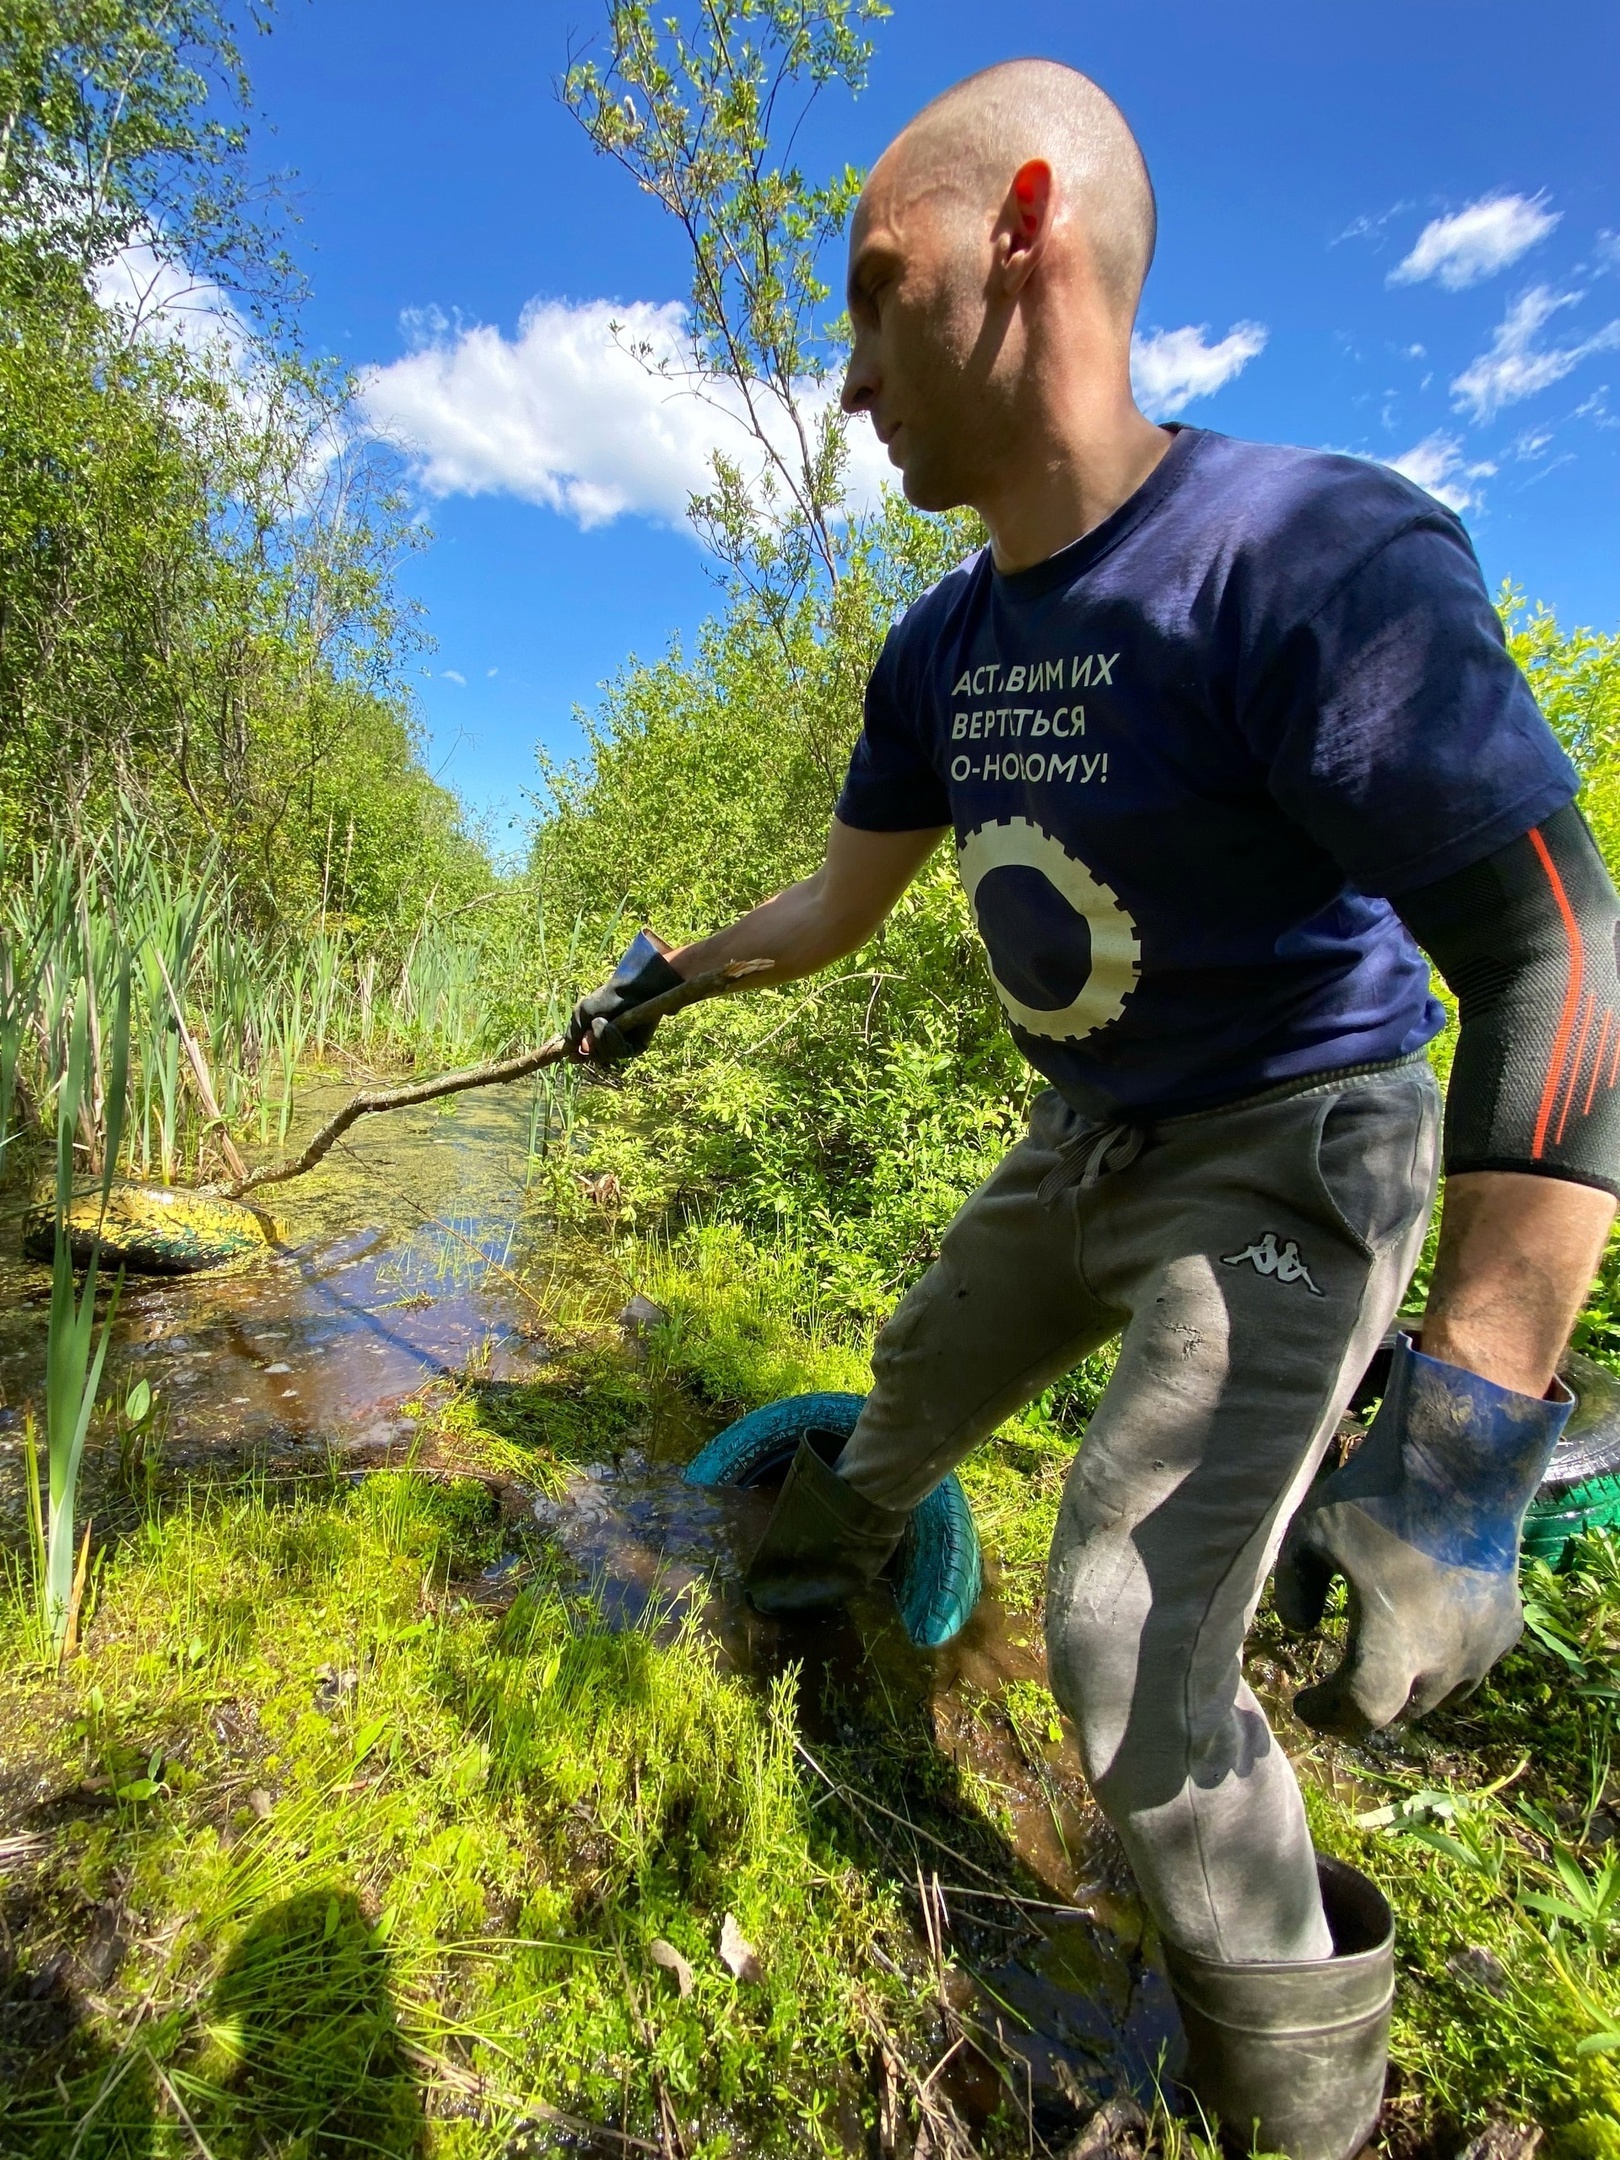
{"type": "Point", "coordinates": [1438, 463]}
{"type": "Point", "coordinates": [1477, 241]}
{"type": "Point", "coordinates": [1368, 227]}
{"type": "Point", "coordinates": [155, 296]}
{"type": "Point", "coordinates": [1533, 443]}
{"type": "Point", "coordinates": [1169, 368]}
{"type": "Point", "coordinates": [451, 674]}
{"type": "Point", "coordinates": [1515, 367]}
{"type": "Point", "coordinates": [573, 413]}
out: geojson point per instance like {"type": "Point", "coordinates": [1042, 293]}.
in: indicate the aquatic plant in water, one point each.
{"type": "Point", "coordinates": [74, 1352]}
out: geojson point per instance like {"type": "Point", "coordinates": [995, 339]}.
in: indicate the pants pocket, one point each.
{"type": "Point", "coordinates": [1375, 1157]}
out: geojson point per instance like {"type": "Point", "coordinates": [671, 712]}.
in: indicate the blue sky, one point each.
{"type": "Point", "coordinates": [1393, 229]}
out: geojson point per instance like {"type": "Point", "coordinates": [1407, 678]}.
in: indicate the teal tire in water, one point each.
{"type": "Point", "coordinates": [937, 1573]}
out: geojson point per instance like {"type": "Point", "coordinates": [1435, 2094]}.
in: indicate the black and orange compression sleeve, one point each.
{"type": "Point", "coordinates": [1527, 942]}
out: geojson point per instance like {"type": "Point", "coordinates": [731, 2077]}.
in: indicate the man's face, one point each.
{"type": "Point", "coordinates": [928, 362]}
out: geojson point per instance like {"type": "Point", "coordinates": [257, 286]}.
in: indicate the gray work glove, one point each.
{"type": "Point", "coordinates": [1423, 1523]}
{"type": "Point", "coordinates": [642, 973]}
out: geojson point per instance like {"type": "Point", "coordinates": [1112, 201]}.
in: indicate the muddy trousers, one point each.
{"type": "Point", "coordinates": [1248, 1258]}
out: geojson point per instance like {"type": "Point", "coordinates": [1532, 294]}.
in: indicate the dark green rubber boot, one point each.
{"type": "Point", "coordinates": [823, 1541]}
{"type": "Point", "coordinates": [1291, 2058]}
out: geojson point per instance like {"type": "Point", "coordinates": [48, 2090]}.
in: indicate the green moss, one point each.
{"type": "Point", "coordinates": [1593, 2137]}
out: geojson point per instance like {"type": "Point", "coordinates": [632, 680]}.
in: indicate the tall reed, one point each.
{"type": "Point", "coordinates": [259, 1006]}
{"type": "Point", "coordinates": [75, 1351]}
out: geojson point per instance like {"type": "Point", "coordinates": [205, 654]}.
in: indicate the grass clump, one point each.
{"type": "Point", "coordinates": [372, 1867]}
{"type": "Point", "coordinates": [747, 1322]}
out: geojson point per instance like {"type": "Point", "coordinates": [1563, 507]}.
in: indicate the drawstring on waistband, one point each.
{"type": "Point", "coordinates": [1090, 1155]}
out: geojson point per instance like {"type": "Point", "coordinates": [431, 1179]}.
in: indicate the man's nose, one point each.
{"type": "Point", "coordinates": [860, 381]}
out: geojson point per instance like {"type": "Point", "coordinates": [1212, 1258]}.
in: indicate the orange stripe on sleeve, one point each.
{"type": "Point", "coordinates": [1597, 1058]}
{"type": "Point", "coordinates": [1572, 995]}
{"type": "Point", "coordinates": [1588, 1012]}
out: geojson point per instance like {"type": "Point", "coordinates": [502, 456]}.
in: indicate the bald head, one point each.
{"type": "Point", "coordinates": [996, 258]}
{"type": "Point", "coordinates": [972, 139]}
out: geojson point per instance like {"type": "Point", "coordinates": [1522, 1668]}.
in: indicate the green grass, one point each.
{"type": "Point", "coordinates": [1468, 1822]}
{"type": "Point", "coordinates": [384, 1860]}
{"type": "Point", "coordinates": [323, 1853]}
{"type": "Point", "coordinates": [1539, 2040]}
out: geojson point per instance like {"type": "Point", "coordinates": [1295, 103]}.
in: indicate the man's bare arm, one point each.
{"type": "Point", "coordinates": [824, 916]}
{"type": "Point", "coordinates": [1516, 1260]}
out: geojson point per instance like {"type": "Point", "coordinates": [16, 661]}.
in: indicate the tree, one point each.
{"type": "Point", "coordinates": [199, 627]}
{"type": "Point", "coordinates": [122, 126]}
{"type": "Point", "coordinates": [694, 116]}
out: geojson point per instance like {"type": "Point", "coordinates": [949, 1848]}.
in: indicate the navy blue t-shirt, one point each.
{"type": "Point", "coordinates": [1188, 757]}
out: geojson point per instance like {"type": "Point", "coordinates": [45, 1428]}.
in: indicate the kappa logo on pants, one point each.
{"type": "Point", "coordinates": [1268, 1258]}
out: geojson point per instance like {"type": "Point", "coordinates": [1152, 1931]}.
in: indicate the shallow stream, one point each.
{"type": "Point", "coordinates": [418, 1253]}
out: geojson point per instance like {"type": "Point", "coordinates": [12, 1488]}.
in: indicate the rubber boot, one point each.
{"type": "Point", "coordinates": [1291, 2058]}
{"type": "Point", "coordinates": [823, 1542]}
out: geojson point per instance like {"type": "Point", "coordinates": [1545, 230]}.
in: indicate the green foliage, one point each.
{"type": "Point", "coordinates": [198, 622]}
{"type": "Point", "coordinates": [1576, 678]}
{"type": "Point", "coordinates": [857, 1109]}
{"type": "Point", "coordinates": [119, 126]}
{"type": "Point", "coordinates": [74, 1351]}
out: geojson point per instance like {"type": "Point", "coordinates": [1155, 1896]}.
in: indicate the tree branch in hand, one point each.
{"type": "Point", "coordinates": [371, 1100]}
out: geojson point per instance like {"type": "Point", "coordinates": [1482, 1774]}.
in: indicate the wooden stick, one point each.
{"type": "Point", "coordinates": [371, 1100]}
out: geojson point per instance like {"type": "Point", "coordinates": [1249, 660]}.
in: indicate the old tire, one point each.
{"type": "Point", "coordinates": [937, 1574]}
{"type": "Point", "coordinates": [1581, 1490]}
{"type": "Point", "coordinates": [149, 1229]}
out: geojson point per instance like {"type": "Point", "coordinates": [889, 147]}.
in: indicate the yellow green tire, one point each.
{"type": "Point", "coordinates": [149, 1229]}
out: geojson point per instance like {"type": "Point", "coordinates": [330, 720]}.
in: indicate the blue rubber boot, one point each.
{"type": "Point", "coordinates": [1423, 1523]}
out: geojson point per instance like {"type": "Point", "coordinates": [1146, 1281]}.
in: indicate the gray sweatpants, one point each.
{"type": "Point", "coordinates": [1249, 1258]}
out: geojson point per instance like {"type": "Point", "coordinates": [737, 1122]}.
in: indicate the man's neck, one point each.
{"type": "Point", "coordinates": [1078, 479]}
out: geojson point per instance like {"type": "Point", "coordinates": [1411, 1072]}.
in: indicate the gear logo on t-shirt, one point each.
{"type": "Point", "coordinates": [1064, 955]}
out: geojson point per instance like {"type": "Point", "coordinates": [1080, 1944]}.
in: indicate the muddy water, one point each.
{"type": "Point", "coordinates": [417, 1252]}
{"type": "Point", "coordinates": [397, 1262]}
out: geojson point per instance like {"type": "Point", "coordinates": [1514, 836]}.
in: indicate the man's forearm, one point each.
{"type": "Point", "coordinates": [792, 930]}
{"type": "Point", "coordinates": [819, 920]}
{"type": "Point", "coordinates": [1516, 1261]}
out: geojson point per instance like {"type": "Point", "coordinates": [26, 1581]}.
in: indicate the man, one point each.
{"type": "Point", "coordinates": [1225, 733]}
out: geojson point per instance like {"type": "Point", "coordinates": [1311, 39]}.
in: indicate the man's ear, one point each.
{"type": "Point", "coordinates": [1026, 223]}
